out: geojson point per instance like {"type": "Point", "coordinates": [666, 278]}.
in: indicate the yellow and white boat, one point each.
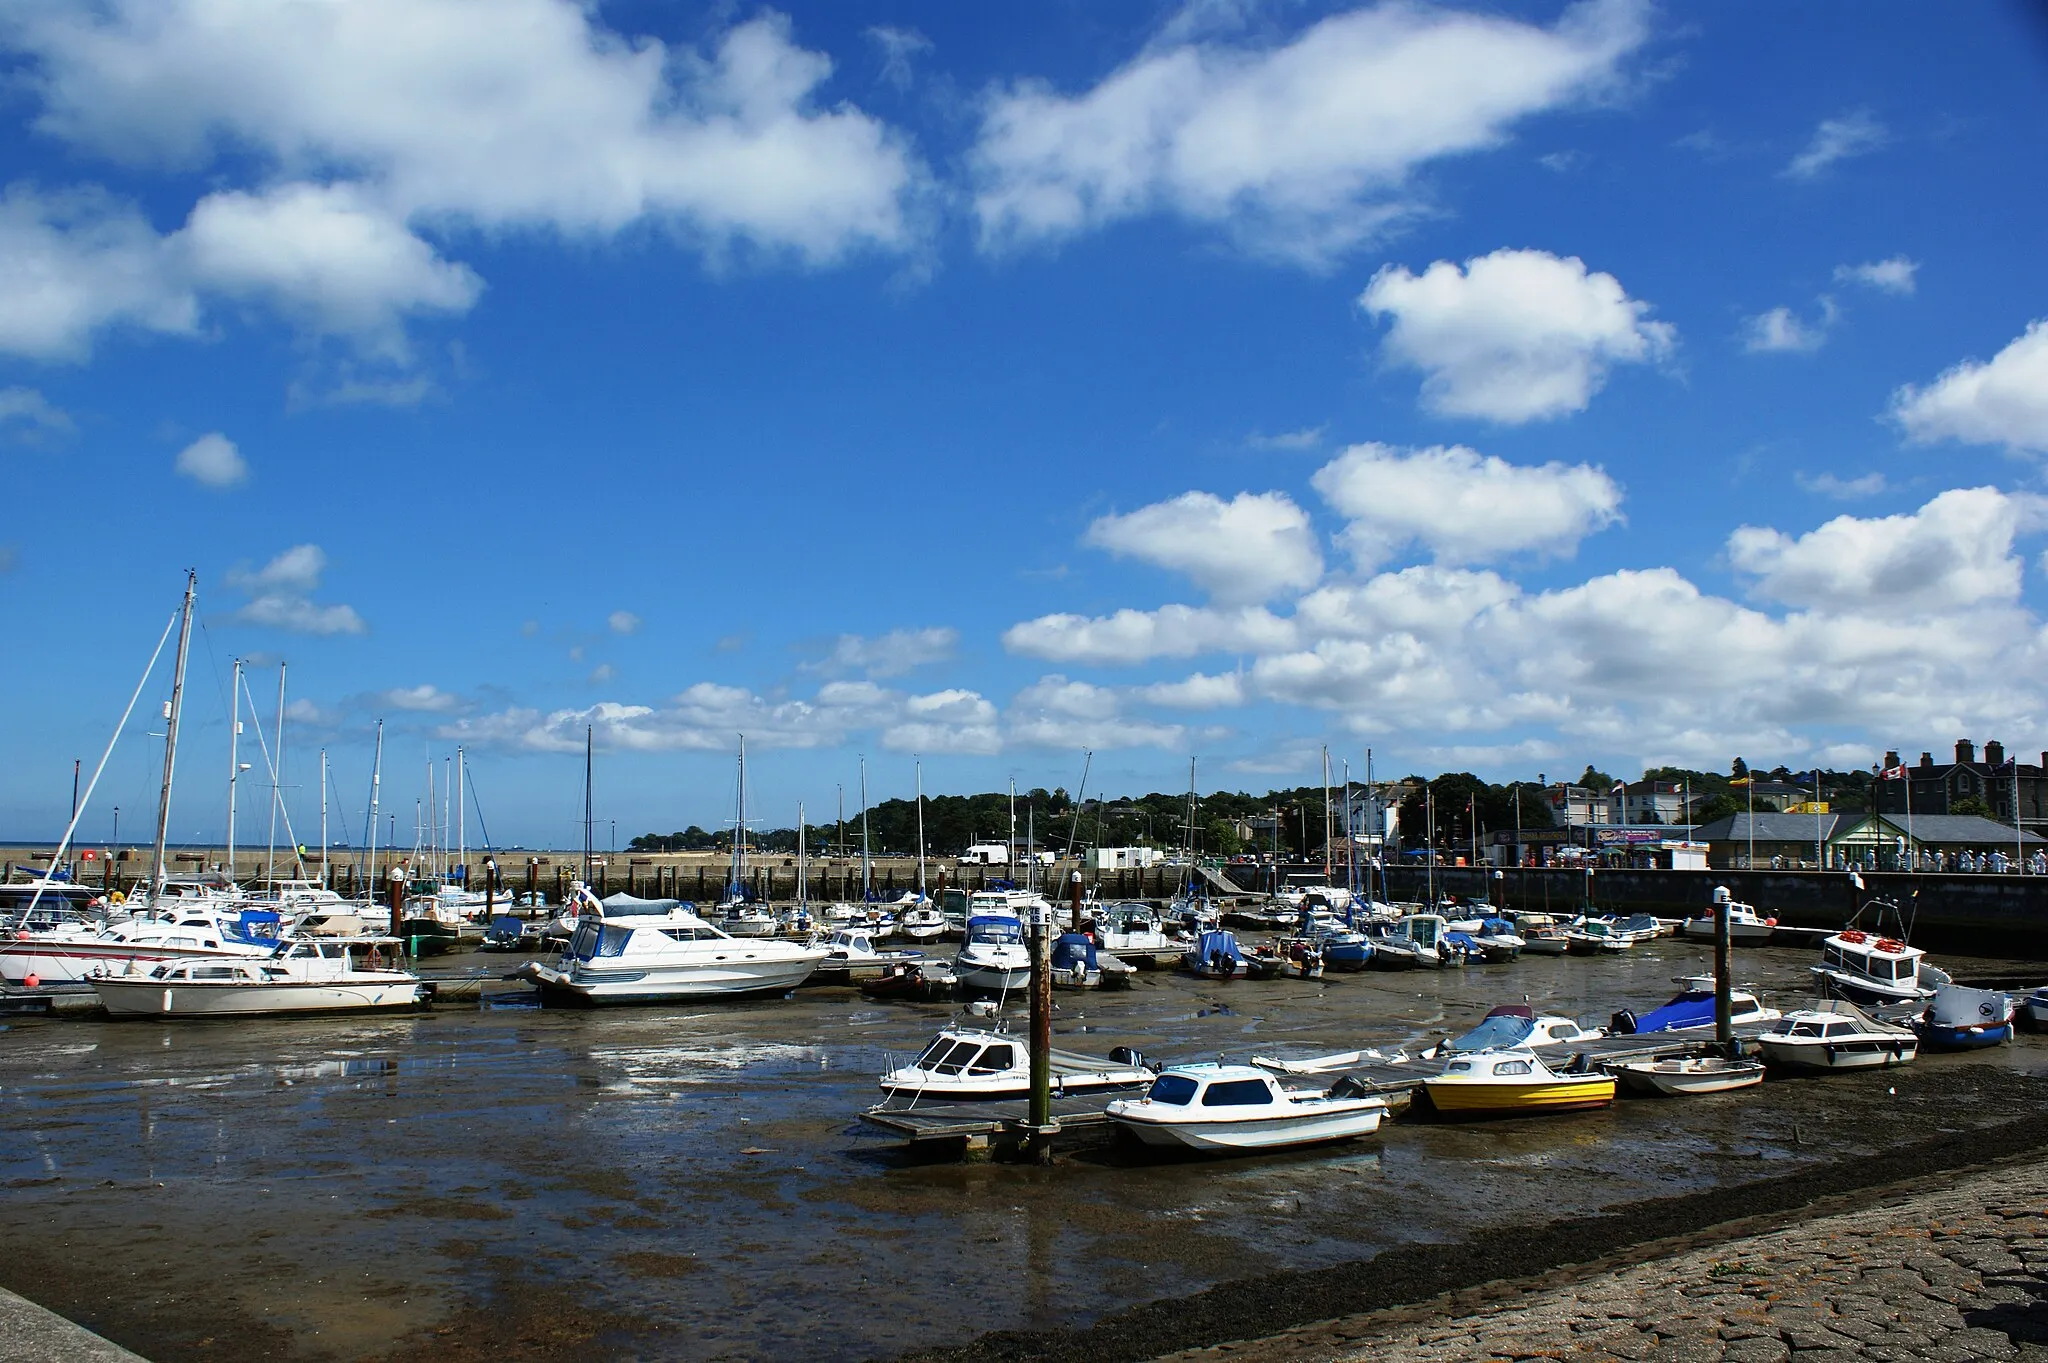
{"type": "Point", "coordinates": [1513, 1082]}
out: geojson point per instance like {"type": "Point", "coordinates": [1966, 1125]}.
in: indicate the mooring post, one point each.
{"type": "Point", "coordinates": [1039, 1116]}
{"type": "Point", "coordinates": [490, 888]}
{"type": "Point", "coordinates": [396, 890]}
{"type": "Point", "coordinates": [1724, 1003]}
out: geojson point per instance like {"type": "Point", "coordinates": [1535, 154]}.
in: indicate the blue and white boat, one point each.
{"type": "Point", "coordinates": [1216, 956]}
{"type": "Point", "coordinates": [1343, 947]}
{"type": "Point", "coordinates": [1963, 1019]}
{"type": "Point", "coordinates": [1692, 1009]}
{"type": "Point", "coordinates": [1498, 939]}
{"type": "Point", "coordinates": [994, 956]}
{"type": "Point", "coordinates": [1414, 941]}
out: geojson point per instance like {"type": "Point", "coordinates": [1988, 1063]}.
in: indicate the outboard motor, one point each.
{"type": "Point", "coordinates": [1622, 1024]}
{"type": "Point", "coordinates": [1124, 1055]}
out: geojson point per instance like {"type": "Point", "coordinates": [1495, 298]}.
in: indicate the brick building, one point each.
{"type": "Point", "coordinates": [1936, 786]}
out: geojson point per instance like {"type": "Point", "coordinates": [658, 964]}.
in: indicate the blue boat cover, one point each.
{"type": "Point", "coordinates": [1007, 930]}
{"type": "Point", "coordinates": [1218, 941]}
{"type": "Point", "coordinates": [1074, 949]}
{"type": "Point", "coordinates": [1693, 1008]}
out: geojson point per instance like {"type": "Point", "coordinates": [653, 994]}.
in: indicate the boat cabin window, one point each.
{"type": "Point", "coordinates": [1511, 1067]}
{"type": "Point", "coordinates": [1564, 1031]}
{"type": "Point", "coordinates": [999, 933]}
{"type": "Point", "coordinates": [1172, 1088]}
{"type": "Point", "coordinates": [1237, 1093]}
{"type": "Point", "coordinates": [1805, 1029]}
{"type": "Point", "coordinates": [955, 1060]}
{"type": "Point", "coordinates": [687, 935]}
{"type": "Point", "coordinates": [994, 1060]}
{"type": "Point", "coordinates": [1459, 1067]}
{"type": "Point", "coordinates": [1839, 1029]}
{"type": "Point", "coordinates": [212, 972]}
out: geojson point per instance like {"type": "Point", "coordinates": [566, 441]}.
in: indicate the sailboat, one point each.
{"type": "Point", "coordinates": [742, 917]}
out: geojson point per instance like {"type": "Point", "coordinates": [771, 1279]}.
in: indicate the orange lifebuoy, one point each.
{"type": "Point", "coordinates": [1887, 944]}
{"type": "Point", "coordinates": [1856, 936]}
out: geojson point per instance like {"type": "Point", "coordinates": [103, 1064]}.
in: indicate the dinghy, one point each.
{"type": "Point", "coordinates": [1960, 1019]}
{"type": "Point", "coordinates": [1691, 1074]}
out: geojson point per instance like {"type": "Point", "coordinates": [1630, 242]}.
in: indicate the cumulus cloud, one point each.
{"type": "Point", "coordinates": [1198, 691]}
{"type": "Point", "coordinates": [900, 48]}
{"type": "Point", "coordinates": [1464, 507]}
{"type": "Point", "coordinates": [363, 123]}
{"type": "Point", "coordinates": [1843, 489]}
{"type": "Point", "coordinates": [1894, 275]}
{"type": "Point", "coordinates": [1837, 139]}
{"type": "Point", "coordinates": [31, 413]}
{"type": "Point", "coordinates": [1130, 636]}
{"type": "Point", "coordinates": [1055, 712]}
{"type": "Point", "coordinates": [280, 595]}
{"type": "Point", "coordinates": [1241, 551]}
{"type": "Point", "coordinates": [1513, 336]}
{"type": "Point", "coordinates": [1781, 330]}
{"type": "Point", "coordinates": [888, 655]}
{"type": "Point", "coordinates": [622, 622]}
{"type": "Point", "coordinates": [2002, 402]}
{"type": "Point", "coordinates": [1954, 552]}
{"type": "Point", "coordinates": [425, 699]}
{"type": "Point", "coordinates": [1301, 150]}
{"type": "Point", "coordinates": [213, 460]}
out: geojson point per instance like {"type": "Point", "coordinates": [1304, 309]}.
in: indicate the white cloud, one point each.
{"type": "Point", "coordinates": [900, 48]}
{"type": "Point", "coordinates": [1301, 150]}
{"type": "Point", "coordinates": [945, 722]}
{"type": "Point", "coordinates": [76, 262]}
{"type": "Point", "coordinates": [30, 409]}
{"type": "Point", "coordinates": [1954, 552]}
{"type": "Point", "coordinates": [425, 699]}
{"type": "Point", "coordinates": [2003, 402]}
{"type": "Point", "coordinates": [1199, 691]}
{"type": "Point", "coordinates": [622, 622]}
{"type": "Point", "coordinates": [1307, 438]}
{"type": "Point", "coordinates": [601, 674]}
{"type": "Point", "coordinates": [888, 655]}
{"type": "Point", "coordinates": [280, 595]}
{"type": "Point", "coordinates": [1894, 275]}
{"type": "Point", "coordinates": [1131, 636]}
{"type": "Point", "coordinates": [1514, 336]}
{"type": "Point", "coordinates": [1241, 551]}
{"type": "Point", "coordinates": [1836, 139]}
{"type": "Point", "coordinates": [1463, 506]}
{"type": "Point", "coordinates": [1843, 489]}
{"type": "Point", "coordinates": [1781, 330]}
{"type": "Point", "coordinates": [1055, 712]}
{"type": "Point", "coordinates": [212, 459]}
{"type": "Point", "coordinates": [326, 257]}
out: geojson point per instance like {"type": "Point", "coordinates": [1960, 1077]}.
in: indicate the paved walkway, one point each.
{"type": "Point", "coordinates": [29, 1334]}
{"type": "Point", "coordinates": [1945, 1275]}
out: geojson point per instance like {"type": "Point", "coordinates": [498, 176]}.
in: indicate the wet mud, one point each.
{"type": "Point", "coordinates": [691, 1183]}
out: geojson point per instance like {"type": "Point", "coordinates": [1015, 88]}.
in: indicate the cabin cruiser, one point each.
{"type": "Point", "coordinates": [1692, 1009]}
{"type": "Point", "coordinates": [1506, 1083]}
{"type": "Point", "coordinates": [964, 1063]}
{"type": "Point", "coordinates": [1515, 1026]}
{"type": "Point", "coordinates": [1235, 1107]}
{"type": "Point", "coordinates": [1960, 1019]}
{"type": "Point", "coordinates": [200, 933]}
{"type": "Point", "coordinates": [1864, 967]}
{"type": "Point", "coordinates": [296, 978]}
{"type": "Point", "coordinates": [1541, 934]}
{"type": "Point", "coordinates": [994, 956]}
{"type": "Point", "coordinates": [1136, 932]}
{"type": "Point", "coordinates": [742, 919]}
{"type": "Point", "coordinates": [1746, 927]}
{"type": "Point", "coordinates": [659, 957]}
{"type": "Point", "coordinates": [1196, 913]}
{"type": "Point", "coordinates": [1497, 939]}
{"type": "Point", "coordinates": [1298, 894]}
{"type": "Point", "coordinates": [851, 955]}
{"type": "Point", "coordinates": [1416, 940]}
{"type": "Point", "coordinates": [1834, 1035]}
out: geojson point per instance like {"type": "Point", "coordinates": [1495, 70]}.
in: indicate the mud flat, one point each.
{"type": "Point", "coordinates": [689, 1183]}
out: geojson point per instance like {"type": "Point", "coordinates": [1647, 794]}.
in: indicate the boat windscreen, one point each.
{"type": "Point", "coordinates": [1495, 1033]}
{"type": "Point", "coordinates": [1005, 931]}
{"type": "Point", "coordinates": [1172, 1088]}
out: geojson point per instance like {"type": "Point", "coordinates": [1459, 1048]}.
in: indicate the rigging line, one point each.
{"type": "Point", "coordinates": [478, 806]}
{"type": "Point", "coordinates": [277, 801]}
{"type": "Point", "coordinates": [85, 799]}
{"type": "Point", "coordinates": [340, 813]}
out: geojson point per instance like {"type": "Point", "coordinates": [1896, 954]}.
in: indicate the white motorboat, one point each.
{"type": "Point", "coordinates": [1746, 927]}
{"type": "Point", "coordinates": [963, 1063]}
{"type": "Point", "coordinates": [332, 923]}
{"type": "Point", "coordinates": [1515, 1026]}
{"type": "Point", "coordinates": [1416, 940]}
{"type": "Point", "coordinates": [851, 955]}
{"type": "Point", "coordinates": [1691, 1074]}
{"type": "Point", "coordinates": [298, 978]}
{"type": "Point", "coordinates": [657, 958]}
{"type": "Point", "coordinates": [302, 896]}
{"type": "Point", "coordinates": [748, 920]}
{"type": "Point", "coordinates": [2034, 1012]}
{"type": "Point", "coordinates": [1864, 967]}
{"type": "Point", "coordinates": [994, 956]}
{"type": "Point", "coordinates": [1834, 1035]}
{"type": "Point", "coordinates": [923, 923]}
{"type": "Point", "coordinates": [196, 933]}
{"type": "Point", "coordinates": [1136, 933]}
{"type": "Point", "coordinates": [1541, 934]}
{"type": "Point", "coordinates": [1236, 1107]}
{"type": "Point", "coordinates": [1597, 937]}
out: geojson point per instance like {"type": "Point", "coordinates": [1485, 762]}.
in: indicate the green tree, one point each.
{"type": "Point", "coordinates": [1595, 779]}
{"type": "Point", "coordinates": [1970, 804]}
{"type": "Point", "coordinates": [1719, 807]}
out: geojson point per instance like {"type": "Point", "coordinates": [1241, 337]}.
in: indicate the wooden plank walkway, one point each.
{"type": "Point", "coordinates": [953, 1121]}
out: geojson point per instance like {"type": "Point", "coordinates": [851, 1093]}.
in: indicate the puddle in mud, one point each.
{"type": "Point", "coordinates": [690, 1182]}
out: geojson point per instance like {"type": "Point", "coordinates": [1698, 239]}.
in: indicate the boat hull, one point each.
{"type": "Point", "coordinates": [1511, 1100]}
{"type": "Point", "coordinates": [58, 962]}
{"type": "Point", "coordinates": [1279, 1132]}
{"type": "Point", "coordinates": [1739, 934]}
{"type": "Point", "coordinates": [668, 984]}
{"type": "Point", "coordinates": [1858, 1054]}
{"type": "Point", "coordinates": [200, 999]}
{"type": "Point", "coordinates": [1939, 1037]}
{"type": "Point", "coordinates": [1687, 1078]}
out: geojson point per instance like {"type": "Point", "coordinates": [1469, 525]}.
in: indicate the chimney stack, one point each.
{"type": "Point", "coordinates": [1966, 751]}
{"type": "Point", "coordinates": [1994, 753]}
{"type": "Point", "coordinates": [1891, 759]}
{"type": "Point", "coordinates": [1927, 759]}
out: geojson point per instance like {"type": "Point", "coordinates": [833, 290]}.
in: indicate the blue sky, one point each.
{"type": "Point", "coordinates": [1499, 388]}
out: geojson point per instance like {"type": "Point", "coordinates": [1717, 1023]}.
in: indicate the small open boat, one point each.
{"type": "Point", "coordinates": [1746, 927]}
{"type": "Point", "coordinates": [1960, 1019]}
{"type": "Point", "coordinates": [1691, 1074]}
{"type": "Point", "coordinates": [1238, 1108]}
{"type": "Point", "coordinates": [1513, 1083]}
{"type": "Point", "coordinates": [926, 981]}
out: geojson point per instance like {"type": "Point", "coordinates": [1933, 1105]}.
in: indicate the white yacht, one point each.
{"type": "Point", "coordinates": [994, 955]}
{"type": "Point", "coordinates": [1836, 1036]}
{"type": "Point", "coordinates": [297, 978]}
{"type": "Point", "coordinates": [69, 954]}
{"type": "Point", "coordinates": [1235, 1107]}
{"type": "Point", "coordinates": [658, 958]}
{"type": "Point", "coordinates": [971, 1064]}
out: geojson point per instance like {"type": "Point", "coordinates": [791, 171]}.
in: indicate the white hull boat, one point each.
{"type": "Point", "coordinates": [1236, 1108]}
{"type": "Point", "coordinates": [852, 955]}
{"type": "Point", "coordinates": [966, 1064]}
{"type": "Point", "coordinates": [667, 957]}
{"type": "Point", "coordinates": [300, 979]}
{"type": "Point", "coordinates": [1865, 967]}
{"type": "Point", "coordinates": [73, 954]}
{"type": "Point", "coordinates": [994, 957]}
{"type": "Point", "coordinates": [1836, 1036]}
{"type": "Point", "coordinates": [1691, 1075]}
{"type": "Point", "coordinates": [1746, 927]}
{"type": "Point", "coordinates": [922, 924]}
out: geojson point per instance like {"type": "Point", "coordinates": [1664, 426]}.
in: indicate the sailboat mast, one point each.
{"type": "Point", "coordinates": [234, 759]}
{"type": "Point", "coordinates": [588, 731]}
{"type": "Point", "coordinates": [739, 838]}
{"type": "Point", "coordinates": [326, 880]}
{"type": "Point", "coordinates": [376, 792]}
{"type": "Point", "coordinates": [1326, 813]}
{"type": "Point", "coordinates": [920, 827]}
{"type": "Point", "coordinates": [276, 775]}
{"type": "Point", "coordinates": [864, 871]}
{"type": "Point", "coordinates": [802, 866]}
{"type": "Point", "coordinates": [1013, 828]}
{"type": "Point", "coordinates": [462, 816]}
{"type": "Point", "coordinates": [171, 713]}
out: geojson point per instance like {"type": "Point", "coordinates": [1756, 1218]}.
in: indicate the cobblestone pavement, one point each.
{"type": "Point", "coordinates": [1946, 1274]}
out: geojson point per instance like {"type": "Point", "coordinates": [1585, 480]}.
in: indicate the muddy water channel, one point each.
{"type": "Point", "coordinates": [691, 1183]}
